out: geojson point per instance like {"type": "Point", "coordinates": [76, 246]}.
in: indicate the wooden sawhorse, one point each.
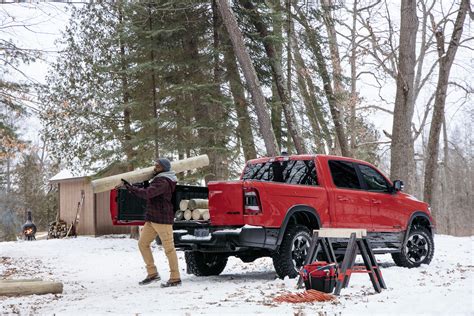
{"type": "Point", "coordinates": [357, 242]}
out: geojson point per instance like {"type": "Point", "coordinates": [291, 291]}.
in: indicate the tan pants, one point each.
{"type": "Point", "coordinates": [165, 231]}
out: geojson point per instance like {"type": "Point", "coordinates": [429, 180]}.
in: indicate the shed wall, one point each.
{"type": "Point", "coordinates": [69, 197]}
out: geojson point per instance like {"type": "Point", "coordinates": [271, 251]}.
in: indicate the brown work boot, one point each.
{"type": "Point", "coordinates": [171, 282]}
{"type": "Point", "coordinates": [150, 279]}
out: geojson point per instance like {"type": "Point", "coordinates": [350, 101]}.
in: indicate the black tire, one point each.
{"type": "Point", "coordinates": [205, 264]}
{"type": "Point", "coordinates": [417, 250]}
{"type": "Point", "coordinates": [293, 250]}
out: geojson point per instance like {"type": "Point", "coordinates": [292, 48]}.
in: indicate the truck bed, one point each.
{"type": "Point", "coordinates": [127, 209]}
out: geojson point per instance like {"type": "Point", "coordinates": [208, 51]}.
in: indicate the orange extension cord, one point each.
{"type": "Point", "coordinates": [306, 296]}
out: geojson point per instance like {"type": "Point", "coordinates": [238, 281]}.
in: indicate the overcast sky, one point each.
{"type": "Point", "coordinates": [34, 26]}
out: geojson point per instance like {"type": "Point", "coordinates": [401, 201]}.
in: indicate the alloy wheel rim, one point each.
{"type": "Point", "coordinates": [416, 248]}
{"type": "Point", "coordinates": [299, 251]}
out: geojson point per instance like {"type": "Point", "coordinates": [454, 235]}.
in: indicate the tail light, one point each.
{"type": "Point", "coordinates": [252, 204]}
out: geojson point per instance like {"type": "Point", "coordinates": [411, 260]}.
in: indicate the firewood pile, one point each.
{"type": "Point", "coordinates": [60, 229]}
{"type": "Point", "coordinates": [196, 209]}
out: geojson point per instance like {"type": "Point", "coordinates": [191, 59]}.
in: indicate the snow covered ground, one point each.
{"type": "Point", "coordinates": [100, 276]}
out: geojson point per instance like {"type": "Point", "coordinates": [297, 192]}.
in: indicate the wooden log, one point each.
{"type": "Point", "coordinates": [188, 215]}
{"type": "Point", "coordinates": [29, 287]}
{"type": "Point", "coordinates": [108, 183]}
{"type": "Point", "coordinates": [198, 203]}
{"type": "Point", "coordinates": [183, 205]}
{"type": "Point", "coordinates": [206, 216]}
{"type": "Point", "coordinates": [179, 215]}
{"type": "Point", "coordinates": [198, 213]}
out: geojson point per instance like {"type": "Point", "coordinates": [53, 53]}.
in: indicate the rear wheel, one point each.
{"type": "Point", "coordinates": [205, 264]}
{"type": "Point", "coordinates": [417, 250]}
{"type": "Point", "coordinates": [293, 250]}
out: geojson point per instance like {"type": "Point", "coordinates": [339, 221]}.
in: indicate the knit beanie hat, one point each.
{"type": "Point", "coordinates": [165, 163]}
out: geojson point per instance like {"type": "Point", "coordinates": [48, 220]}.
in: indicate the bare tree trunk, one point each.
{"type": "Point", "coordinates": [314, 43]}
{"type": "Point", "coordinates": [153, 87]}
{"type": "Point", "coordinates": [200, 107]}
{"type": "Point", "coordinates": [447, 178]}
{"type": "Point", "coordinates": [353, 97]}
{"type": "Point", "coordinates": [309, 105]}
{"type": "Point", "coordinates": [402, 151]}
{"type": "Point", "coordinates": [250, 75]}
{"type": "Point", "coordinates": [276, 109]}
{"type": "Point", "coordinates": [340, 92]}
{"type": "Point", "coordinates": [244, 128]}
{"type": "Point", "coordinates": [129, 152]}
{"type": "Point", "coordinates": [219, 132]}
{"type": "Point", "coordinates": [278, 76]}
{"type": "Point", "coordinates": [320, 112]}
{"type": "Point", "coordinates": [445, 63]}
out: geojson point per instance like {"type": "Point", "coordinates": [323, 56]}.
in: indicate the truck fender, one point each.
{"type": "Point", "coordinates": [309, 212]}
{"type": "Point", "coordinates": [416, 214]}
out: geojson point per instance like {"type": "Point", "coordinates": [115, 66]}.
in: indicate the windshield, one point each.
{"type": "Point", "coordinates": [291, 172]}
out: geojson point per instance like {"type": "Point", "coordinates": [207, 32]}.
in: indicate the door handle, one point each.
{"type": "Point", "coordinates": [376, 201]}
{"type": "Point", "coordinates": [342, 198]}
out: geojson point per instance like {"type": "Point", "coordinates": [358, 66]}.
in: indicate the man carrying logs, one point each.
{"type": "Point", "coordinates": [159, 217]}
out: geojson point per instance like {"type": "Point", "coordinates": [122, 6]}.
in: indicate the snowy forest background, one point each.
{"type": "Point", "coordinates": [132, 81]}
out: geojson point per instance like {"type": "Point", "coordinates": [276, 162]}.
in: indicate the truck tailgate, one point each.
{"type": "Point", "coordinates": [226, 203]}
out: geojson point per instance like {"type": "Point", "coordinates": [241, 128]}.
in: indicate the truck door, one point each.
{"type": "Point", "coordinates": [351, 206]}
{"type": "Point", "coordinates": [385, 207]}
{"type": "Point", "coordinates": [126, 209]}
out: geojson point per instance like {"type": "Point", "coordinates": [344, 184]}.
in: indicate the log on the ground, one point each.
{"type": "Point", "coordinates": [198, 203]}
{"type": "Point", "coordinates": [179, 215]}
{"type": "Point", "coordinates": [183, 205]}
{"type": "Point", "coordinates": [188, 215]}
{"type": "Point", "coordinates": [108, 183]}
{"type": "Point", "coordinates": [198, 213]}
{"type": "Point", "coordinates": [29, 287]}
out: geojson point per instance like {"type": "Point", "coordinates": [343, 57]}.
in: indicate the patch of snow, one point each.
{"type": "Point", "coordinates": [191, 237]}
{"type": "Point", "coordinates": [251, 226]}
{"type": "Point", "coordinates": [180, 231]}
{"type": "Point", "coordinates": [100, 276]}
{"type": "Point", "coordinates": [64, 175]}
{"type": "Point", "coordinates": [228, 231]}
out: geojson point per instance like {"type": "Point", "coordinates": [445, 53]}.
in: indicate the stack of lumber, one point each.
{"type": "Point", "coordinates": [196, 209]}
{"type": "Point", "coordinates": [140, 175]}
{"type": "Point", "coordinates": [60, 229]}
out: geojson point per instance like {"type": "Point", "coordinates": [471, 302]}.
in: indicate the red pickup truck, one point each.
{"type": "Point", "coordinates": [278, 202]}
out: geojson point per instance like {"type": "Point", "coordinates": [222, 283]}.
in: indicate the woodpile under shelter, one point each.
{"type": "Point", "coordinates": [94, 214]}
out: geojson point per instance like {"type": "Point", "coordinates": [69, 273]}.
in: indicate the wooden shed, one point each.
{"type": "Point", "coordinates": [94, 214]}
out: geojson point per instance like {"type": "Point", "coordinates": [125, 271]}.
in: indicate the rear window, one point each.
{"type": "Point", "coordinates": [344, 174]}
{"type": "Point", "coordinates": [291, 172]}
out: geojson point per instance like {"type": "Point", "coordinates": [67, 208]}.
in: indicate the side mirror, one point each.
{"type": "Point", "coordinates": [398, 185]}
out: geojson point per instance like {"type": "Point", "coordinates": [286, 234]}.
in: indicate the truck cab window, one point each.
{"type": "Point", "coordinates": [291, 172]}
{"type": "Point", "coordinates": [344, 174]}
{"type": "Point", "coordinates": [373, 179]}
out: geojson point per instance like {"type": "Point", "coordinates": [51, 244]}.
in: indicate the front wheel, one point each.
{"type": "Point", "coordinates": [292, 253]}
{"type": "Point", "coordinates": [417, 250]}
